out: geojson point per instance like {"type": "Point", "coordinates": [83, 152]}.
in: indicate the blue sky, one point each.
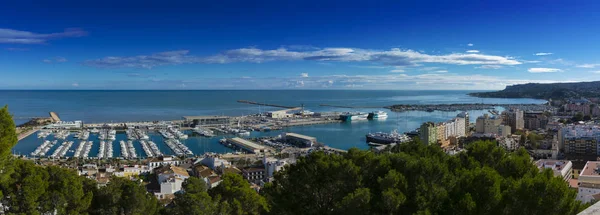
{"type": "Point", "coordinates": [463, 45]}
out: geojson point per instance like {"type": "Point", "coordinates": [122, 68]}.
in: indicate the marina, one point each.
{"type": "Point", "coordinates": [132, 153]}
{"type": "Point", "coordinates": [204, 130]}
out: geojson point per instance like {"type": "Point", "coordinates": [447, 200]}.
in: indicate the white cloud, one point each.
{"type": "Point", "coordinates": [470, 44]}
{"type": "Point", "coordinates": [588, 66]}
{"type": "Point", "coordinates": [597, 72]}
{"type": "Point", "coordinates": [27, 37]}
{"type": "Point", "coordinates": [392, 57]}
{"type": "Point", "coordinates": [489, 67]}
{"type": "Point", "coordinates": [430, 68]}
{"type": "Point", "coordinates": [472, 51]}
{"type": "Point", "coordinates": [543, 53]}
{"type": "Point", "coordinates": [543, 70]}
{"type": "Point", "coordinates": [530, 61]}
{"type": "Point", "coordinates": [55, 60]}
{"type": "Point", "coordinates": [16, 49]}
{"type": "Point", "coordinates": [561, 61]}
{"type": "Point", "coordinates": [75, 84]}
{"type": "Point", "coordinates": [304, 75]}
{"type": "Point", "coordinates": [441, 71]}
{"type": "Point", "coordinates": [370, 67]}
{"type": "Point", "coordinates": [397, 71]}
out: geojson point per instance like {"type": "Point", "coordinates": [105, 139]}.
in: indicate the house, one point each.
{"type": "Point", "coordinates": [253, 174]}
{"type": "Point", "coordinates": [130, 171]}
{"type": "Point", "coordinates": [213, 181]}
{"type": "Point", "coordinates": [273, 165]}
{"type": "Point", "coordinates": [170, 179]}
{"type": "Point", "coordinates": [164, 160]}
{"type": "Point", "coordinates": [214, 162]}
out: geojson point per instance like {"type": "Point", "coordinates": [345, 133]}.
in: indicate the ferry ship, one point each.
{"type": "Point", "coordinates": [378, 115]}
{"type": "Point", "coordinates": [353, 116]}
{"type": "Point", "coordinates": [387, 138]}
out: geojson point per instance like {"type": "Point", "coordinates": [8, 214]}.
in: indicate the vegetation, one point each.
{"type": "Point", "coordinates": [535, 139]}
{"type": "Point", "coordinates": [418, 179]}
{"type": "Point", "coordinates": [546, 91]}
{"type": "Point", "coordinates": [411, 179]}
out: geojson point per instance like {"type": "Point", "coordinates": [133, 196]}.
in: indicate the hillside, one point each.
{"type": "Point", "coordinates": [546, 91]}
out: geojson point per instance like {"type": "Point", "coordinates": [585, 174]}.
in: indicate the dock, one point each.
{"type": "Point", "coordinates": [334, 149]}
{"type": "Point", "coordinates": [265, 104]}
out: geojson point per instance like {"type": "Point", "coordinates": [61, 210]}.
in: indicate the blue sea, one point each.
{"type": "Point", "coordinates": [121, 106]}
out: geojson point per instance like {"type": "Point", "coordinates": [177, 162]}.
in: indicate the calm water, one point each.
{"type": "Point", "coordinates": [118, 106]}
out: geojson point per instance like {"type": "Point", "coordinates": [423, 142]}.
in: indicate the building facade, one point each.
{"type": "Point", "coordinates": [560, 168]}
{"type": "Point", "coordinates": [514, 119]}
{"type": "Point", "coordinates": [428, 133]}
{"type": "Point", "coordinates": [579, 139]}
{"type": "Point", "coordinates": [535, 120]}
{"type": "Point", "coordinates": [491, 125]}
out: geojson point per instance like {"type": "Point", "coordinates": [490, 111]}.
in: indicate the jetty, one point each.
{"type": "Point", "coordinates": [54, 116]}
{"type": "Point", "coordinates": [265, 104]}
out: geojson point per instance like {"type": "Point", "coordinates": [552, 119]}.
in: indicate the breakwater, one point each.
{"type": "Point", "coordinates": [467, 107]}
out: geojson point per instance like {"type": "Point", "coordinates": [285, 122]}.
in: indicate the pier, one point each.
{"type": "Point", "coordinates": [265, 104]}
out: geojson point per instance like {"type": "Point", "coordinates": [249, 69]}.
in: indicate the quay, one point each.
{"type": "Point", "coordinates": [334, 149]}
{"type": "Point", "coordinates": [24, 134]}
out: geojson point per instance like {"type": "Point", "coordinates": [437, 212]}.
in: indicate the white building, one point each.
{"type": "Point", "coordinates": [455, 128]}
{"type": "Point", "coordinates": [214, 162]}
{"type": "Point", "coordinates": [170, 179]}
{"type": "Point", "coordinates": [164, 161]}
{"type": "Point", "coordinates": [65, 125]}
{"type": "Point", "coordinates": [561, 168]}
{"type": "Point", "coordinates": [589, 182]}
{"type": "Point", "coordinates": [273, 165]}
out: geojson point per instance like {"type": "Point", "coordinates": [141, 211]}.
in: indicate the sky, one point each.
{"type": "Point", "coordinates": [367, 45]}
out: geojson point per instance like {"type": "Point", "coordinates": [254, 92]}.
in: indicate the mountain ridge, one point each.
{"type": "Point", "coordinates": [545, 91]}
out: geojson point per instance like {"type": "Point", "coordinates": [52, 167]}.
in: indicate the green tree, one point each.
{"type": "Point", "coordinates": [193, 200]}
{"type": "Point", "coordinates": [65, 192]}
{"type": "Point", "coordinates": [8, 138]}
{"type": "Point", "coordinates": [313, 185]}
{"type": "Point", "coordinates": [416, 179]}
{"type": "Point", "coordinates": [25, 189]}
{"type": "Point", "coordinates": [123, 196]}
{"type": "Point", "coordinates": [235, 196]}
{"type": "Point", "coordinates": [577, 117]}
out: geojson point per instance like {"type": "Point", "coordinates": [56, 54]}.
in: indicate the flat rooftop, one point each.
{"type": "Point", "coordinates": [246, 143]}
{"type": "Point", "coordinates": [301, 136]}
{"type": "Point", "coordinates": [552, 164]}
{"type": "Point", "coordinates": [204, 117]}
{"type": "Point", "coordinates": [590, 169]}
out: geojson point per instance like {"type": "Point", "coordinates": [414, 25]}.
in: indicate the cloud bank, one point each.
{"type": "Point", "coordinates": [543, 70]}
{"type": "Point", "coordinates": [26, 37]}
{"type": "Point", "coordinates": [392, 57]}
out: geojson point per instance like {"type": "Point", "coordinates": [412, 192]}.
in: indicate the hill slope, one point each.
{"type": "Point", "coordinates": [546, 91]}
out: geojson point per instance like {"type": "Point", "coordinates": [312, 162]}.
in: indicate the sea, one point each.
{"type": "Point", "coordinates": [97, 106]}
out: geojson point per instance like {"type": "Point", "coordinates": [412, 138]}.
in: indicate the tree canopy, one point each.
{"type": "Point", "coordinates": [419, 179]}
